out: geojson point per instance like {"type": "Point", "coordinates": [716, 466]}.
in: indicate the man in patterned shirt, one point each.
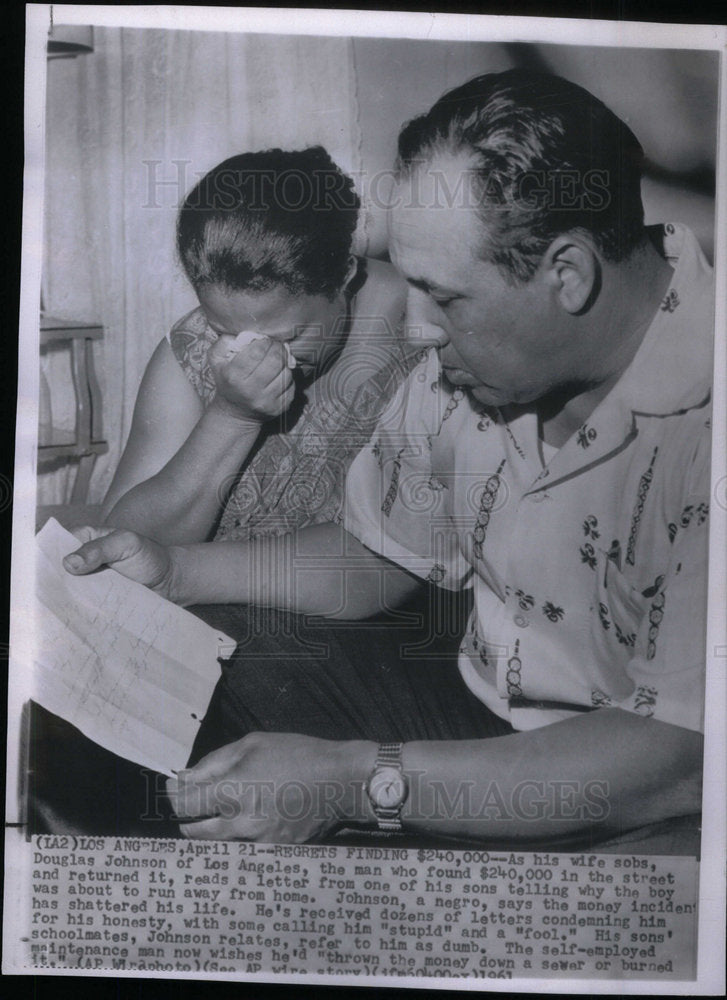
{"type": "Point", "coordinates": [550, 452]}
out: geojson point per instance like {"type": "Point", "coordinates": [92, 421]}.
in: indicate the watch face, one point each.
{"type": "Point", "coordinates": [387, 787]}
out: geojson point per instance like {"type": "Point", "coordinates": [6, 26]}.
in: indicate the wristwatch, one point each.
{"type": "Point", "coordinates": [387, 787]}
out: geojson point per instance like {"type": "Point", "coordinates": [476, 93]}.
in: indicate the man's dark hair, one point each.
{"type": "Point", "coordinates": [272, 218]}
{"type": "Point", "coordinates": [547, 158]}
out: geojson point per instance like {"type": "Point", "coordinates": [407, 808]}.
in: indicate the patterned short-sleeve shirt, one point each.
{"type": "Point", "coordinates": [295, 474]}
{"type": "Point", "coordinates": [589, 565]}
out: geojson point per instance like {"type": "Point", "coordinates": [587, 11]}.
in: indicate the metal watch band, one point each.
{"type": "Point", "coordinates": [389, 755]}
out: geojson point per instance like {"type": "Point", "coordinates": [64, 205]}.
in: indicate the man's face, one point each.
{"type": "Point", "coordinates": [502, 341]}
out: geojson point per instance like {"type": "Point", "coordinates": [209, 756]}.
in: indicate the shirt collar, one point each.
{"type": "Point", "coordinates": [672, 369]}
{"type": "Point", "coordinates": [670, 372]}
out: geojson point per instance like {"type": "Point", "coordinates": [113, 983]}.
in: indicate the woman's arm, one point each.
{"type": "Point", "coordinates": [181, 459]}
{"type": "Point", "coordinates": [166, 411]}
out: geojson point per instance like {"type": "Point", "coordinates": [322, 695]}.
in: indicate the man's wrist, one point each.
{"type": "Point", "coordinates": [358, 758]}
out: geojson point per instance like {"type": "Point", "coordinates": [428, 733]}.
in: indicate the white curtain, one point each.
{"type": "Point", "coordinates": [130, 127]}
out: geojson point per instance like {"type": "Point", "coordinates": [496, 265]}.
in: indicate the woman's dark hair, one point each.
{"type": "Point", "coordinates": [270, 218]}
{"type": "Point", "coordinates": [547, 158]}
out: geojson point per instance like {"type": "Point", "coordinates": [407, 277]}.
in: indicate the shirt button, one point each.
{"type": "Point", "coordinates": [521, 621]}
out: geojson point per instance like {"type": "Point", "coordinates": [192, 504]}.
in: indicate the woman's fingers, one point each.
{"type": "Point", "coordinates": [254, 359]}
{"type": "Point", "coordinates": [282, 382]}
{"type": "Point", "coordinates": [257, 380]}
{"type": "Point", "coordinates": [274, 362]}
{"type": "Point", "coordinates": [286, 400]}
{"type": "Point", "coordinates": [251, 361]}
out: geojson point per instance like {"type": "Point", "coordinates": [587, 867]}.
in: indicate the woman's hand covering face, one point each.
{"type": "Point", "coordinates": [254, 383]}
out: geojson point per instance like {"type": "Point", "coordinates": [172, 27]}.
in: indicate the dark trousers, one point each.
{"type": "Point", "coordinates": [393, 678]}
{"type": "Point", "coordinates": [389, 679]}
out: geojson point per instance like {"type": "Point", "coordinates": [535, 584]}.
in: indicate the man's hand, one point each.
{"type": "Point", "coordinates": [274, 787]}
{"type": "Point", "coordinates": [256, 384]}
{"type": "Point", "coordinates": [132, 555]}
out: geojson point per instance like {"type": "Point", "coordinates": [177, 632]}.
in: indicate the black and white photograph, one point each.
{"type": "Point", "coordinates": [370, 510]}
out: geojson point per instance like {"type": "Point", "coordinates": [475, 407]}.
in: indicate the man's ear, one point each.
{"type": "Point", "coordinates": [574, 273]}
{"type": "Point", "coordinates": [350, 273]}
